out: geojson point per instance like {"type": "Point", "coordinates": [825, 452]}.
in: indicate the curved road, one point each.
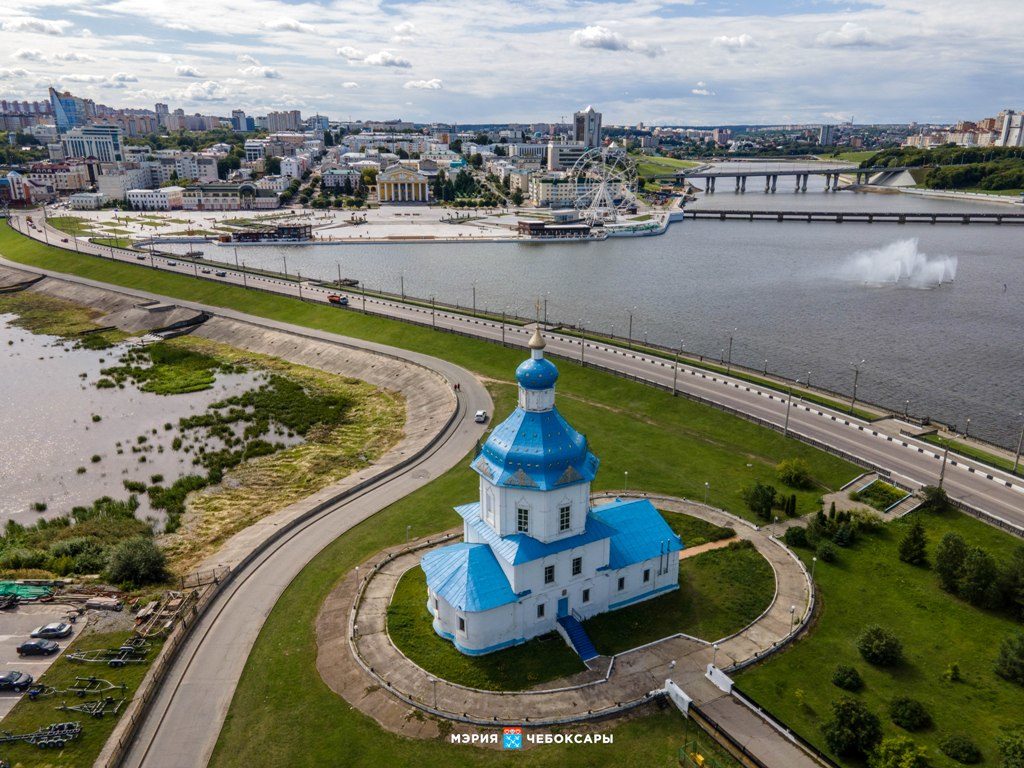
{"type": "Point", "coordinates": [913, 462]}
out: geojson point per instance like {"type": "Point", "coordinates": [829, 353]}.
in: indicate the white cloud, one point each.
{"type": "Point", "coordinates": [10, 74]}
{"type": "Point", "coordinates": [79, 78]}
{"type": "Point", "coordinates": [387, 59]}
{"type": "Point", "coordinates": [350, 53]}
{"type": "Point", "coordinates": [123, 77]}
{"type": "Point", "coordinates": [609, 40]}
{"type": "Point", "coordinates": [405, 32]}
{"type": "Point", "coordinates": [28, 54]}
{"type": "Point", "coordinates": [184, 70]}
{"type": "Point", "coordinates": [268, 72]}
{"type": "Point", "coordinates": [208, 90]}
{"type": "Point", "coordinates": [245, 58]}
{"type": "Point", "coordinates": [424, 85]}
{"type": "Point", "coordinates": [735, 43]}
{"type": "Point", "coordinates": [285, 24]}
{"type": "Point", "coordinates": [350, 84]}
{"type": "Point", "coordinates": [72, 56]}
{"type": "Point", "coordinates": [701, 89]}
{"type": "Point", "coordinates": [32, 24]}
{"type": "Point", "coordinates": [839, 117]}
{"type": "Point", "coordinates": [848, 35]}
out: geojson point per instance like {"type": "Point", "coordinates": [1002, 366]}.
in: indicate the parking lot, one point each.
{"type": "Point", "coordinates": [15, 626]}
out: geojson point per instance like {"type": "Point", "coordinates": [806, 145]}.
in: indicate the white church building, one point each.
{"type": "Point", "coordinates": [536, 556]}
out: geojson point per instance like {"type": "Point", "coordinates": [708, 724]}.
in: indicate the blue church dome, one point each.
{"type": "Point", "coordinates": [537, 374]}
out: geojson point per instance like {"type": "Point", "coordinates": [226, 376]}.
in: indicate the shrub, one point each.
{"type": "Point", "coordinates": [881, 647]}
{"type": "Point", "coordinates": [852, 730]}
{"type": "Point", "coordinates": [977, 577]}
{"type": "Point", "coordinates": [795, 536]}
{"type": "Point", "coordinates": [39, 506]}
{"type": "Point", "coordinates": [909, 714]}
{"type": "Point", "coordinates": [1011, 749]}
{"type": "Point", "coordinates": [760, 499]}
{"type": "Point", "coordinates": [135, 486]}
{"type": "Point", "coordinates": [961, 749]}
{"type": "Point", "coordinates": [898, 752]}
{"type": "Point", "coordinates": [935, 499]}
{"type": "Point", "coordinates": [795, 473]}
{"type": "Point", "coordinates": [156, 479]}
{"type": "Point", "coordinates": [949, 560]}
{"type": "Point", "coordinates": [96, 458]}
{"type": "Point", "coordinates": [913, 547]}
{"type": "Point", "coordinates": [96, 417]}
{"type": "Point", "coordinates": [952, 673]}
{"type": "Point", "coordinates": [136, 561]}
{"type": "Point", "coordinates": [1010, 662]}
{"type": "Point", "coordinates": [827, 552]}
{"type": "Point", "coordinates": [847, 678]}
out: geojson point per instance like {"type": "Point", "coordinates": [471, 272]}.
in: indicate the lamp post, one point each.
{"type": "Point", "coordinates": [474, 298]}
{"type": "Point", "coordinates": [942, 472]}
{"type": "Point", "coordinates": [808, 379]}
{"type": "Point", "coordinates": [629, 341]}
{"type": "Point", "coordinates": [814, 562]}
{"type": "Point", "coordinates": [707, 487]}
{"type": "Point", "coordinates": [285, 260]}
{"type": "Point", "coordinates": [967, 429]}
{"type": "Point", "coordinates": [856, 377]}
{"type": "Point", "coordinates": [906, 409]}
{"type": "Point", "coordinates": [728, 363]}
{"type": "Point", "coordinates": [789, 403]}
{"type": "Point", "coordinates": [546, 294]}
{"type": "Point", "coordinates": [625, 481]}
{"type": "Point", "coordinates": [433, 681]}
{"type": "Point", "coordinates": [1020, 442]}
{"type": "Point", "coordinates": [583, 347]}
{"type": "Point", "coordinates": [792, 617]}
{"type": "Point", "coordinates": [433, 312]}
{"type": "Point", "coordinates": [675, 369]}
{"type": "Point", "coordinates": [766, 366]}
{"type": "Point", "coordinates": [503, 326]}
{"type": "Point", "coordinates": [245, 282]}
{"type": "Point", "coordinates": [714, 656]}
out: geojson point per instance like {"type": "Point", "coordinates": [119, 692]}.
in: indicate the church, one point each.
{"type": "Point", "coordinates": [536, 556]}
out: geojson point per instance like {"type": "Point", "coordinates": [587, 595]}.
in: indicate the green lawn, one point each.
{"type": "Point", "coordinates": [513, 669]}
{"type": "Point", "coordinates": [27, 715]}
{"type": "Point", "coordinates": [694, 531]}
{"type": "Point", "coordinates": [72, 225]}
{"type": "Point", "coordinates": [973, 452]}
{"type": "Point", "coordinates": [879, 495]}
{"type": "Point", "coordinates": [657, 165]}
{"type": "Point", "coordinates": [869, 585]}
{"type": "Point", "coordinates": [851, 156]}
{"type": "Point", "coordinates": [720, 592]}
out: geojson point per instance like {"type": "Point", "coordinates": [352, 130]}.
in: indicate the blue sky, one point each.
{"type": "Point", "coordinates": [672, 62]}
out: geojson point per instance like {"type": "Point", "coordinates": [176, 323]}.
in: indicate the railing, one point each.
{"type": "Point", "coordinates": [748, 701]}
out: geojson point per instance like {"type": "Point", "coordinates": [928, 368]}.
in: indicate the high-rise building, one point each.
{"type": "Point", "coordinates": [1011, 129]}
{"type": "Point", "coordinates": [826, 136]}
{"type": "Point", "coordinates": [70, 111]}
{"type": "Point", "coordinates": [100, 141]}
{"type": "Point", "coordinates": [587, 126]}
{"type": "Point", "coordinates": [284, 121]}
{"type": "Point", "coordinates": [161, 114]}
{"type": "Point", "coordinates": [238, 120]}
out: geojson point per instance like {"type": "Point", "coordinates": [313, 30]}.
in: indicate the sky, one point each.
{"type": "Point", "coordinates": [660, 62]}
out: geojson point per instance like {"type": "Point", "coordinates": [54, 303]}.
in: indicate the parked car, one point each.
{"type": "Point", "coordinates": [172, 263]}
{"type": "Point", "coordinates": [38, 648]}
{"type": "Point", "coordinates": [15, 681]}
{"type": "Point", "coordinates": [481, 417]}
{"type": "Point", "coordinates": [55, 629]}
{"type": "Point", "coordinates": [221, 274]}
{"type": "Point", "coordinates": [205, 271]}
{"type": "Point", "coordinates": [338, 301]}
{"type": "Point", "coordinates": [141, 257]}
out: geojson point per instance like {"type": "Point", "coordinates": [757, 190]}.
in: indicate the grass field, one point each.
{"type": "Point", "coordinates": [513, 669]}
{"type": "Point", "coordinates": [852, 156]}
{"type": "Point", "coordinates": [720, 592]}
{"type": "Point", "coordinates": [656, 165]}
{"type": "Point", "coordinates": [879, 495]}
{"type": "Point", "coordinates": [27, 715]}
{"type": "Point", "coordinates": [869, 585]}
{"type": "Point", "coordinates": [694, 531]}
{"type": "Point", "coordinates": [973, 452]}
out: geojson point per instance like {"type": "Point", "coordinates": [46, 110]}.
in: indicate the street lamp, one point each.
{"type": "Point", "coordinates": [1020, 442]}
{"type": "Point", "coordinates": [629, 341]}
{"type": "Point", "coordinates": [583, 344]}
{"type": "Point", "coordinates": [285, 260]}
{"type": "Point", "coordinates": [401, 282]}
{"type": "Point", "coordinates": [942, 472]}
{"type": "Point", "coordinates": [789, 403]}
{"type": "Point", "coordinates": [967, 429]}
{"type": "Point", "coordinates": [856, 377]}
{"type": "Point", "coordinates": [814, 562]}
{"type": "Point", "coordinates": [474, 298]}
{"type": "Point", "coordinates": [433, 681]}
{"type": "Point", "coordinates": [766, 366]}
{"type": "Point", "coordinates": [625, 481]}
{"type": "Point", "coordinates": [707, 487]}
{"type": "Point", "coordinates": [714, 656]}
{"type": "Point", "coordinates": [792, 617]}
{"type": "Point", "coordinates": [906, 409]}
{"type": "Point", "coordinates": [728, 364]}
{"type": "Point", "coordinates": [675, 370]}
{"type": "Point", "coordinates": [433, 312]}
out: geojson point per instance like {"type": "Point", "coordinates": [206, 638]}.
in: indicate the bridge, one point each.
{"type": "Point", "coordinates": [870, 217]}
{"type": "Point", "coordinates": [771, 176]}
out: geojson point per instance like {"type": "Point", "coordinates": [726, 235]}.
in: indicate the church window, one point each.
{"type": "Point", "coordinates": [586, 595]}
{"type": "Point", "coordinates": [462, 624]}
{"type": "Point", "coordinates": [564, 518]}
{"type": "Point", "coordinates": [622, 583]}
{"type": "Point", "coordinates": [577, 566]}
{"type": "Point", "coordinates": [540, 610]}
{"type": "Point", "coordinates": [647, 575]}
{"type": "Point", "coordinates": [549, 574]}
{"type": "Point", "coordinates": [523, 520]}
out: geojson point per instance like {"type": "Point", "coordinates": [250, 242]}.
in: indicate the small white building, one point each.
{"type": "Point", "coordinates": [536, 557]}
{"type": "Point", "coordinates": [87, 201]}
{"type": "Point", "coordinates": [163, 199]}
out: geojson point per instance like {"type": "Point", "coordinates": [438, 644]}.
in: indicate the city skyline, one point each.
{"type": "Point", "coordinates": [659, 62]}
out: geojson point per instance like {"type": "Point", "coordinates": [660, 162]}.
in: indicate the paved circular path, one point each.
{"type": "Point", "coordinates": [357, 659]}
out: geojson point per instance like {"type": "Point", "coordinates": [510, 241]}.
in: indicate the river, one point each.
{"type": "Point", "coordinates": [805, 297]}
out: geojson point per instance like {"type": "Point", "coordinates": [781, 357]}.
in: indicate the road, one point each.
{"type": "Point", "coordinates": [913, 462]}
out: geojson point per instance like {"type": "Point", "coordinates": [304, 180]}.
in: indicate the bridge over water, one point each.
{"type": "Point", "coordinates": [771, 176]}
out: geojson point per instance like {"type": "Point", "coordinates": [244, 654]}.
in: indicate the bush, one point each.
{"type": "Point", "coordinates": [847, 678]}
{"type": "Point", "coordinates": [795, 536]}
{"type": "Point", "coordinates": [39, 506]}
{"type": "Point", "coordinates": [913, 547]}
{"type": "Point", "coordinates": [136, 561]}
{"type": "Point", "coordinates": [135, 486]}
{"type": "Point", "coordinates": [761, 500]}
{"type": "Point", "coordinates": [909, 714]}
{"type": "Point", "coordinates": [898, 752]}
{"type": "Point", "coordinates": [1010, 662]}
{"type": "Point", "coordinates": [978, 577]}
{"type": "Point", "coordinates": [1011, 748]}
{"type": "Point", "coordinates": [961, 749]}
{"type": "Point", "coordinates": [827, 552]}
{"type": "Point", "coordinates": [881, 647]}
{"type": "Point", "coordinates": [949, 560]}
{"type": "Point", "coordinates": [795, 473]}
{"type": "Point", "coordinates": [852, 730]}
{"type": "Point", "coordinates": [935, 499]}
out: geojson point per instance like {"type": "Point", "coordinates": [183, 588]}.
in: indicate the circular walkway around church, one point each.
{"type": "Point", "coordinates": [357, 659]}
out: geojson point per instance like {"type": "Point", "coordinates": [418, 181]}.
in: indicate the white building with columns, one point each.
{"type": "Point", "coordinates": [401, 184]}
{"type": "Point", "coordinates": [536, 556]}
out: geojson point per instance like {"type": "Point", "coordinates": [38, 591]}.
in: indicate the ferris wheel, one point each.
{"type": "Point", "coordinates": [605, 183]}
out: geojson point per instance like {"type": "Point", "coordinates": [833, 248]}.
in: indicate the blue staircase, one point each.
{"type": "Point", "coordinates": [578, 637]}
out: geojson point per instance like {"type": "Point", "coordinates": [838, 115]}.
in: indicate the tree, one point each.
{"type": "Point", "coordinates": [795, 473]}
{"type": "Point", "coordinates": [847, 678]}
{"type": "Point", "coordinates": [517, 197]}
{"type": "Point", "coordinates": [880, 646]}
{"type": "Point", "coordinates": [476, 160]}
{"type": "Point", "coordinates": [935, 499]}
{"type": "Point", "coordinates": [1011, 583]}
{"type": "Point", "coordinates": [272, 165]}
{"type": "Point", "coordinates": [913, 547]}
{"type": "Point", "coordinates": [977, 577]}
{"type": "Point", "coordinates": [1010, 662]}
{"type": "Point", "coordinates": [761, 500]}
{"type": "Point", "coordinates": [328, 139]}
{"type": "Point", "coordinates": [961, 749]}
{"type": "Point", "coordinates": [1011, 748]}
{"type": "Point", "coordinates": [852, 730]}
{"type": "Point", "coordinates": [949, 560]}
{"type": "Point", "coordinates": [137, 561]}
{"type": "Point", "coordinates": [898, 752]}
{"type": "Point", "coordinates": [909, 713]}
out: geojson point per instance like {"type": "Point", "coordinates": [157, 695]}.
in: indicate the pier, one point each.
{"type": "Point", "coordinates": [869, 217]}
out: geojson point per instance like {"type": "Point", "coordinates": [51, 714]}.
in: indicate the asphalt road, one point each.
{"type": "Point", "coordinates": [15, 627]}
{"type": "Point", "coordinates": [913, 462]}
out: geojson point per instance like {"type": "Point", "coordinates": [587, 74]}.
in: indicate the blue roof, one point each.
{"type": "Point", "coordinates": [640, 532]}
{"type": "Point", "coordinates": [467, 576]}
{"type": "Point", "coordinates": [519, 548]}
{"type": "Point", "coordinates": [536, 449]}
{"type": "Point", "coordinates": [536, 374]}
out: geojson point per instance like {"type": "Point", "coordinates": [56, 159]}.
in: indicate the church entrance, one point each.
{"type": "Point", "coordinates": [563, 607]}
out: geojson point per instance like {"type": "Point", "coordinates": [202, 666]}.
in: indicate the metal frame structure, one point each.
{"type": "Point", "coordinates": [606, 183]}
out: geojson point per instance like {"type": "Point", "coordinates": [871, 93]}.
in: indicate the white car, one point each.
{"type": "Point", "coordinates": [481, 417]}
{"type": "Point", "coordinates": [50, 631]}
